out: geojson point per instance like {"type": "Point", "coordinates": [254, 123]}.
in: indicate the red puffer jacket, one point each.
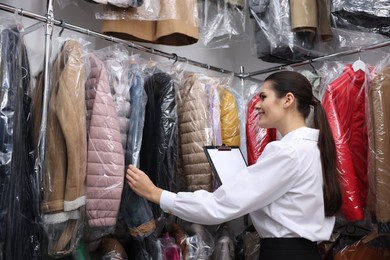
{"type": "Point", "coordinates": [344, 103]}
{"type": "Point", "coordinates": [256, 138]}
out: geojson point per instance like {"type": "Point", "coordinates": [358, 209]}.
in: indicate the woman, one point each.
{"type": "Point", "coordinates": [292, 192]}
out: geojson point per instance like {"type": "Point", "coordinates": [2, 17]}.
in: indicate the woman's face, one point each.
{"type": "Point", "coordinates": [270, 108]}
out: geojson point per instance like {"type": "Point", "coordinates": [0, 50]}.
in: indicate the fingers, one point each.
{"type": "Point", "coordinates": [131, 175]}
{"type": "Point", "coordinates": [133, 168]}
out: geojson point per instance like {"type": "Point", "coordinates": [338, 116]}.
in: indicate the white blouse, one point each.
{"type": "Point", "coordinates": [282, 192]}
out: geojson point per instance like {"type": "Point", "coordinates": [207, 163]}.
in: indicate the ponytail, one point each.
{"type": "Point", "coordinates": [331, 187]}
{"type": "Point", "coordinates": [284, 82]}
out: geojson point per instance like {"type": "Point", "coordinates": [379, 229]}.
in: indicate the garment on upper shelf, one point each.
{"type": "Point", "coordinates": [182, 29]}
{"type": "Point", "coordinates": [288, 31]}
{"type": "Point", "coordinates": [379, 143]}
{"type": "Point", "coordinates": [105, 167]}
{"type": "Point", "coordinates": [221, 22]}
{"type": "Point", "coordinates": [344, 103]}
{"type": "Point", "coordinates": [375, 16]}
{"type": "Point", "coordinates": [120, 3]}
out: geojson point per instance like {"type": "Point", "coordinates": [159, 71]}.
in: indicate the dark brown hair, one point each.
{"type": "Point", "coordinates": [284, 82]}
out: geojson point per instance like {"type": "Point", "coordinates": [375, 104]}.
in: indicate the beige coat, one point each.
{"type": "Point", "coordinates": [379, 143]}
{"type": "Point", "coordinates": [194, 133]}
{"type": "Point", "coordinates": [181, 29]}
{"type": "Point", "coordinates": [64, 167]}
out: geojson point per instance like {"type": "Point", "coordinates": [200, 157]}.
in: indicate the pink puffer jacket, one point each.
{"type": "Point", "coordinates": [105, 168]}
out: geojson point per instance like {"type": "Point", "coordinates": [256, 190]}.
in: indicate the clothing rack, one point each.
{"type": "Point", "coordinates": [65, 25]}
{"type": "Point", "coordinates": [172, 56]}
{"type": "Point", "coordinates": [325, 57]}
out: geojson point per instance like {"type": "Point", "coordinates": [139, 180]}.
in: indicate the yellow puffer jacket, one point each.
{"type": "Point", "coordinates": [230, 122]}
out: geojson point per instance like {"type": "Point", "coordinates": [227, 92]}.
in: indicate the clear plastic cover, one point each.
{"type": "Point", "coordinates": [116, 62]}
{"type": "Point", "coordinates": [170, 250]}
{"type": "Point", "coordinates": [136, 210]}
{"type": "Point", "coordinates": [158, 156]}
{"type": "Point", "coordinates": [374, 16]}
{"type": "Point", "coordinates": [149, 10]}
{"type": "Point", "coordinates": [344, 103]}
{"type": "Point", "coordinates": [152, 10]}
{"type": "Point", "coordinates": [208, 115]}
{"type": "Point", "coordinates": [65, 156]}
{"type": "Point", "coordinates": [224, 245]}
{"type": "Point", "coordinates": [20, 232]}
{"type": "Point", "coordinates": [378, 115]}
{"type": "Point", "coordinates": [291, 31]}
{"type": "Point", "coordinates": [221, 22]}
{"type": "Point", "coordinates": [112, 249]}
{"type": "Point", "coordinates": [200, 243]}
{"type": "Point", "coordinates": [105, 158]}
{"type": "Point", "coordinates": [174, 22]}
{"type": "Point", "coordinates": [121, 3]}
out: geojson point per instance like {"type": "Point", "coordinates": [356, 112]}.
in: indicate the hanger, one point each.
{"type": "Point", "coordinates": [18, 16]}
{"type": "Point", "coordinates": [359, 65]}
{"type": "Point", "coordinates": [175, 57]}
{"type": "Point", "coordinates": [62, 24]}
{"type": "Point", "coordinates": [152, 63]}
{"type": "Point", "coordinates": [32, 28]}
{"type": "Point", "coordinates": [313, 69]}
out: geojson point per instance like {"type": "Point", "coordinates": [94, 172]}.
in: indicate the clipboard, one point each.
{"type": "Point", "coordinates": [225, 162]}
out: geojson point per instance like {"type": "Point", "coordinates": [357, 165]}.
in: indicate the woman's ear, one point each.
{"type": "Point", "coordinates": [289, 99]}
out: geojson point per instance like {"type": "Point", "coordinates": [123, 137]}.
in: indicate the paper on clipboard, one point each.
{"type": "Point", "coordinates": [225, 162]}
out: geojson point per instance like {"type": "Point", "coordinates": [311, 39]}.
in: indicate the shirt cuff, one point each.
{"type": "Point", "coordinates": [167, 201]}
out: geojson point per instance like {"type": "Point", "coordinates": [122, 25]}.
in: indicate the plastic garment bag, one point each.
{"type": "Point", "coordinates": [200, 243]}
{"type": "Point", "coordinates": [65, 162]}
{"type": "Point", "coordinates": [158, 154]}
{"type": "Point", "coordinates": [169, 22]}
{"type": "Point", "coordinates": [297, 30]}
{"type": "Point", "coordinates": [379, 145]}
{"type": "Point", "coordinates": [224, 245]}
{"type": "Point", "coordinates": [221, 22]}
{"type": "Point", "coordinates": [121, 3]}
{"type": "Point", "coordinates": [362, 15]}
{"type": "Point", "coordinates": [20, 231]}
{"type": "Point", "coordinates": [135, 210]}
{"type": "Point", "coordinates": [105, 158]}
{"type": "Point", "coordinates": [285, 33]}
{"type": "Point", "coordinates": [344, 103]}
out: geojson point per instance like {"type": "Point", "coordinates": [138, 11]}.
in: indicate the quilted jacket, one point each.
{"type": "Point", "coordinates": [344, 103]}
{"type": "Point", "coordinates": [195, 132]}
{"type": "Point", "coordinates": [105, 168]}
{"type": "Point", "coordinates": [230, 122]}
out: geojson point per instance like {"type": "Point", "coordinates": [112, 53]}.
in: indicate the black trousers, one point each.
{"type": "Point", "coordinates": [288, 249]}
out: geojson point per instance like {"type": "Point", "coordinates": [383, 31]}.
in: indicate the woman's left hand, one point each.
{"type": "Point", "coordinates": [140, 183]}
